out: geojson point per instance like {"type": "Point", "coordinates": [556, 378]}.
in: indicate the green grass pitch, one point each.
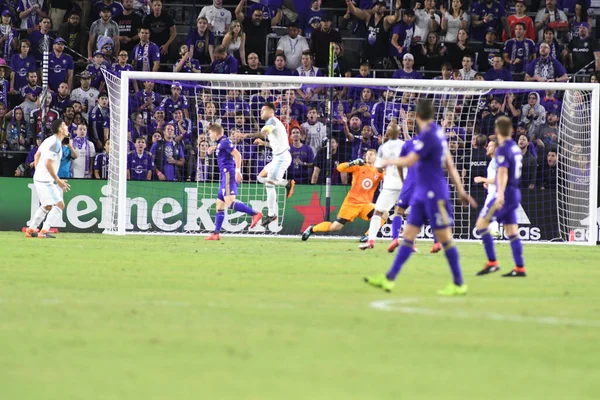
{"type": "Point", "coordinates": [100, 317]}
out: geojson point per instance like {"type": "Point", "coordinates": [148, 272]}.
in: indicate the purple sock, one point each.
{"type": "Point", "coordinates": [452, 255]}
{"type": "Point", "coordinates": [517, 250]}
{"type": "Point", "coordinates": [219, 220]}
{"type": "Point", "coordinates": [434, 238]}
{"type": "Point", "coordinates": [488, 243]}
{"type": "Point", "coordinates": [406, 249]}
{"type": "Point", "coordinates": [241, 207]}
{"type": "Point", "coordinates": [396, 226]}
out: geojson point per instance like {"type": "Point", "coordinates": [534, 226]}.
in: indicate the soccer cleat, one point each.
{"type": "Point", "coordinates": [415, 250]}
{"type": "Point", "coordinates": [31, 233]}
{"type": "Point", "coordinates": [269, 219]}
{"type": "Point", "coordinates": [369, 245]}
{"type": "Point", "coordinates": [307, 232]}
{"type": "Point", "coordinates": [213, 236]}
{"type": "Point", "coordinates": [393, 244]}
{"type": "Point", "coordinates": [289, 188]}
{"type": "Point", "coordinates": [256, 218]}
{"type": "Point", "coordinates": [380, 281]}
{"type": "Point", "coordinates": [364, 238]}
{"type": "Point", "coordinates": [436, 248]}
{"type": "Point", "coordinates": [490, 267]}
{"type": "Point", "coordinates": [453, 290]}
{"type": "Point", "coordinates": [44, 234]}
{"type": "Point", "coordinates": [515, 274]}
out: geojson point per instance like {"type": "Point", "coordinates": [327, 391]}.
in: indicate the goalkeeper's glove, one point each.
{"type": "Point", "coordinates": [359, 161]}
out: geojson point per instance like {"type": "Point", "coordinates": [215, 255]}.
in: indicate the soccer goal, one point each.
{"type": "Point", "coordinates": [560, 177]}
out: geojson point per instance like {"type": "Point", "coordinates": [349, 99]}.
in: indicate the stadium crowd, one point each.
{"type": "Point", "coordinates": [532, 40]}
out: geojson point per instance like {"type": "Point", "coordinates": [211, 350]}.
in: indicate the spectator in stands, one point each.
{"type": "Point", "coordinates": [106, 46]}
{"type": "Point", "coordinates": [218, 17]}
{"type": "Point", "coordinates": [498, 72]}
{"type": "Point", "coordinates": [36, 37]}
{"type": "Point", "coordinates": [300, 170]}
{"type": "Point", "coordinates": [146, 54]}
{"type": "Point", "coordinates": [115, 8]}
{"type": "Point", "coordinates": [158, 122]}
{"type": "Point", "coordinates": [235, 42]}
{"type": "Point", "coordinates": [68, 155]}
{"type": "Point", "coordinates": [407, 72]}
{"type": "Point", "coordinates": [312, 18]}
{"type": "Point", "coordinates": [201, 42]}
{"type": "Point", "coordinates": [546, 134]}
{"type": "Point", "coordinates": [595, 77]}
{"type": "Point", "coordinates": [105, 26]}
{"type": "Point", "coordinates": [456, 51]}
{"type": "Point", "coordinates": [95, 70]}
{"type": "Point", "coordinates": [268, 11]}
{"type": "Point", "coordinates": [223, 63]}
{"type": "Point", "coordinates": [101, 163]}
{"type": "Point", "coordinates": [488, 14]}
{"type": "Point", "coordinates": [307, 68]}
{"type": "Point", "coordinates": [83, 165]}
{"type": "Point", "coordinates": [426, 20]}
{"type": "Point", "coordinates": [584, 52]}
{"type": "Point", "coordinates": [122, 63]}
{"type": "Point", "coordinates": [257, 29]}
{"type": "Point", "coordinates": [183, 127]}
{"type": "Point", "coordinates": [532, 113]}
{"type": "Point", "coordinates": [61, 99]}
{"type": "Point", "coordinates": [581, 15]}
{"type": "Point", "coordinates": [519, 51]}
{"type": "Point", "coordinates": [467, 73]}
{"type": "Point", "coordinates": [529, 171]}
{"type": "Point", "coordinates": [252, 67]}
{"type": "Point", "coordinates": [279, 68]}
{"type": "Point", "coordinates": [140, 164]}
{"type": "Point", "coordinates": [60, 66]}
{"type": "Point", "coordinates": [5, 71]}
{"type": "Point", "coordinates": [446, 72]}
{"type": "Point", "coordinates": [210, 116]}
{"type": "Point", "coordinates": [31, 13]}
{"type": "Point", "coordinates": [315, 132]}
{"type": "Point", "coordinates": [176, 101]}
{"type": "Point", "coordinates": [168, 156]}
{"type": "Point", "coordinates": [520, 17]}
{"type": "Point", "coordinates": [30, 93]}
{"type": "Point", "coordinates": [452, 131]}
{"type": "Point", "coordinates": [36, 123]}
{"type": "Point", "coordinates": [545, 68]}
{"type": "Point", "coordinates": [235, 103]}
{"type": "Point", "coordinates": [365, 107]}
{"type": "Point", "coordinates": [550, 17]}
{"type": "Point", "coordinates": [186, 63]}
{"type": "Point", "coordinates": [86, 94]}
{"type": "Point", "coordinates": [551, 103]}
{"type": "Point", "coordinates": [430, 54]}
{"type": "Point", "coordinates": [364, 71]}
{"type": "Point", "coordinates": [129, 23]}
{"type": "Point", "coordinates": [74, 32]}
{"type": "Point", "coordinates": [162, 28]}
{"type": "Point", "coordinates": [16, 131]}
{"type": "Point", "coordinates": [485, 52]}
{"type": "Point", "coordinates": [321, 164]}
{"type": "Point", "coordinates": [99, 116]}
{"type": "Point", "coordinates": [9, 37]}
{"type": "Point", "coordinates": [292, 45]}
{"type": "Point", "coordinates": [297, 110]}
{"type": "Point", "coordinates": [363, 142]}
{"type": "Point", "coordinates": [320, 39]}
{"type": "Point", "coordinates": [488, 118]}
{"type": "Point", "coordinates": [402, 34]}
{"type": "Point", "coordinates": [549, 171]}
{"type": "Point", "coordinates": [21, 64]}
{"type": "Point", "coordinates": [137, 127]}
{"type": "Point", "coordinates": [378, 27]}
{"type": "Point", "coordinates": [556, 49]}
{"type": "Point", "coordinates": [453, 19]}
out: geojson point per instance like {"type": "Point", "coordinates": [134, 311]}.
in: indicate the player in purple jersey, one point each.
{"type": "Point", "coordinates": [505, 204]}
{"type": "Point", "coordinates": [431, 199]}
{"type": "Point", "coordinates": [229, 161]}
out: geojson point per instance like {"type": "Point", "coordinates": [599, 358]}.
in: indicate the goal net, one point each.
{"type": "Point", "coordinates": [333, 120]}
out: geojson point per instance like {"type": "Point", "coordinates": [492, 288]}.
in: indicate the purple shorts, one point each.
{"type": "Point", "coordinates": [437, 211]}
{"type": "Point", "coordinates": [506, 215]}
{"type": "Point", "coordinates": [406, 196]}
{"type": "Point", "coordinates": [228, 185]}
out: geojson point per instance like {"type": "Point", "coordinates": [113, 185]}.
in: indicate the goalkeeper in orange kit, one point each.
{"type": "Point", "coordinates": [359, 200]}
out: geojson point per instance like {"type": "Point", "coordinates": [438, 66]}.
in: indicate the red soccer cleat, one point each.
{"type": "Point", "coordinates": [369, 245]}
{"type": "Point", "coordinates": [256, 218]}
{"type": "Point", "coordinates": [213, 236]}
{"type": "Point", "coordinates": [393, 245]}
{"type": "Point", "coordinates": [30, 233]}
{"type": "Point", "coordinates": [436, 248]}
{"type": "Point", "coordinates": [44, 234]}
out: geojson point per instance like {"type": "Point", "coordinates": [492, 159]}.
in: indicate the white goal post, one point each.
{"type": "Point", "coordinates": [576, 203]}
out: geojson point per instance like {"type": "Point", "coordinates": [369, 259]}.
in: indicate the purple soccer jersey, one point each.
{"type": "Point", "coordinates": [228, 66]}
{"type": "Point", "coordinates": [145, 55]}
{"type": "Point", "coordinates": [96, 72]}
{"type": "Point", "coordinates": [496, 10]}
{"type": "Point", "coordinates": [408, 187]}
{"type": "Point", "coordinates": [383, 113]}
{"type": "Point", "coordinates": [171, 149]}
{"type": "Point", "coordinates": [141, 98]}
{"type": "Point", "coordinates": [297, 171]}
{"type": "Point", "coordinates": [60, 103]}
{"type": "Point", "coordinates": [201, 45]}
{"type": "Point", "coordinates": [20, 67]}
{"type": "Point", "coordinates": [402, 74]}
{"type": "Point", "coordinates": [171, 105]}
{"type": "Point", "coordinates": [226, 163]}
{"type": "Point", "coordinates": [359, 147]}
{"type": "Point", "coordinates": [116, 68]}
{"type": "Point", "coordinates": [139, 165]}
{"type": "Point", "coordinates": [58, 68]}
{"type": "Point", "coordinates": [521, 50]}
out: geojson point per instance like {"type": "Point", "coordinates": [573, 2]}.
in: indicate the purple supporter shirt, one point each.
{"type": "Point", "coordinates": [33, 19]}
{"type": "Point", "coordinates": [116, 68]}
{"type": "Point", "coordinates": [359, 147]}
{"type": "Point", "coordinates": [481, 9]}
{"type": "Point", "coordinates": [139, 165]}
{"type": "Point", "coordinates": [201, 45]}
{"type": "Point", "coordinates": [193, 64]}
{"type": "Point", "coordinates": [268, 12]}
{"type": "Point", "coordinates": [58, 68]}
{"type": "Point", "coordinates": [402, 74]}
{"type": "Point", "coordinates": [141, 98]}
{"type": "Point", "coordinates": [383, 113]}
{"type": "Point", "coordinates": [460, 132]}
{"type": "Point", "coordinates": [272, 70]}
{"type": "Point", "coordinates": [38, 45]}
{"type": "Point", "coordinates": [96, 72]}
{"type": "Point", "coordinates": [101, 165]}
{"type": "Point", "coordinates": [370, 105]}
{"type": "Point", "coordinates": [522, 50]}
{"type": "Point", "coordinates": [60, 103]}
{"type": "Point", "coordinates": [500, 75]}
{"type": "Point", "coordinates": [311, 17]}
{"type": "Point", "coordinates": [257, 101]}
{"type": "Point", "coordinates": [551, 104]}
{"type": "Point", "coordinates": [548, 68]}
{"type": "Point", "coordinates": [228, 66]}
{"type": "Point", "coordinates": [555, 49]}
{"type": "Point", "coordinates": [261, 157]}
{"type": "Point", "coordinates": [144, 56]}
{"type": "Point", "coordinates": [35, 91]}
{"type": "Point", "coordinates": [170, 150]}
{"type": "Point", "coordinates": [170, 105]}
{"type": "Point", "coordinates": [20, 67]}
{"type": "Point", "coordinates": [405, 34]}
{"type": "Point", "coordinates": [297, 171]}
{"type": "Point", "coordinates": [237, 104]}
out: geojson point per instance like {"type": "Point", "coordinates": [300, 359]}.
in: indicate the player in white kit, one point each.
{"type": "Point", "coordinates": [392, 183]}
{"type": "Point", "coordinates": [490, 181]}
{"type": "Point", "coordinates": [48, 185]}
{"type": "Point", "coordinates": [272, 174]}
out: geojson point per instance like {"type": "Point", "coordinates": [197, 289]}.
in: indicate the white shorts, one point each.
{"type": "Point", "coordinates": [387, 199]}
{"type": "Point", "coordinates": [277, 168]}
{"type": "Point", "coordinates": [484, 211]}
{"type": "Point", "coordinates": [48, 192]}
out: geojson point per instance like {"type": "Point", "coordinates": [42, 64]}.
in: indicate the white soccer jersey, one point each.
{"type": "Point", "coordinates": [218, 18]}
{"type": "Point", "coordinates": [390, 150]}
{"type": "Point", "coordinates": [80, 167]}
{"type": "Point", "coordinates": [86, 97]}
{"type": "Point", "coordinates": [315, 134]}
{"type": "Point", "coordinates": [50, 149]}
{"type": "Point", "coordinates": [492, 169]}
{"type": "Point", "coordinates": [277, 135]}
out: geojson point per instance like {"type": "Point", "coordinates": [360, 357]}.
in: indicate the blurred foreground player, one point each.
{"type": "Point", "coordinates": [431, 199]}
{"type": "Point", "coordinates": [490, 183]}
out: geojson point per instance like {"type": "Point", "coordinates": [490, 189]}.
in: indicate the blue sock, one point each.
{"type": "Point", "coordinates": [406, 249]}
{"type": "Point", "coordinates": [219, 220]}
{"type": "Point", "coordinates": [517, 250]}
{"type": "Point", "coordinates": [241, 207]}
{"type": "Point", "coordinates": [488, 243]}
{"type": "Point", "coordinates": [452, 255]}
{"type": "Point", "coordinates": [396, 226]}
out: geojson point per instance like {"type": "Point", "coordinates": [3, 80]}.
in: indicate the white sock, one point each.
{"type": "Point", "coordinates": [265, 179]}
{"type": "Point", "coordinates": [374, 226]}
{"type": "Point", "coordinates": [271, 200]}
{"type": "Point", "coordinates": [38, 217]}
{"type": "Point", "coordinates": [53, 216]}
